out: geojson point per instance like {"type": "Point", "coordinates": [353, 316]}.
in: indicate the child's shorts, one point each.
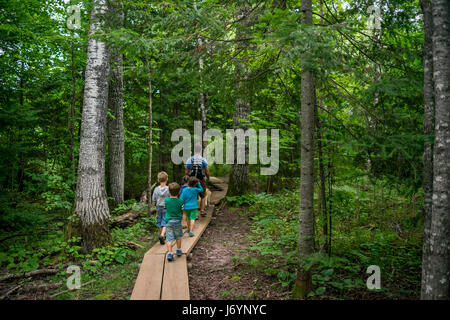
{"type": "Point", "coordinates": [191, 214]}
{"type": "Point", "coordinates": [174, 230]}
{"type": "Point", "coordinates": [160, 215]}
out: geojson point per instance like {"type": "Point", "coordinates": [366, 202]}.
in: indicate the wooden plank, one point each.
{"type": "Point", "coordinates": [157, 249]}
{"type": "Point", "coordinates": [188, 243]}
{"type": "Point", "coordinates": [175, 282]}
{"type": "Point", "coordinates": [149, 281]}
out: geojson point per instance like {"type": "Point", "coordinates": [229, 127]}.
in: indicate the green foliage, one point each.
{"type": "Point", "coordinates": [359, 240]}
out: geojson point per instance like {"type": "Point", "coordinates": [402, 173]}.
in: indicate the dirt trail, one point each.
{"type": "Point", "coordinates": [216, 273]}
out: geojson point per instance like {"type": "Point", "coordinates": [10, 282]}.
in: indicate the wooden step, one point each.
{"type": "Point", "coordinates": [175, 282]}
{"type": "Point", "coordinates": [149, 281]}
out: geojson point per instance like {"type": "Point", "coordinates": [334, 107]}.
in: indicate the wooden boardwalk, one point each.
{"type": "Point", "coordinates": [159, 279]}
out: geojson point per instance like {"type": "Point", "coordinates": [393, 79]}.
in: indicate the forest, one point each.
{"type": "Point", "coordinates": [337, 189]}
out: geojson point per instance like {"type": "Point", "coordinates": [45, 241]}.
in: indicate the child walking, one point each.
{"type": "Point", "coordinates": [174, 212]}
{"type": "Point", "coordinates": [184, 185]}
{"type": "Point", "coordinates": [189, 196]}
{"type": "Point", "coordinates": [160, 193]}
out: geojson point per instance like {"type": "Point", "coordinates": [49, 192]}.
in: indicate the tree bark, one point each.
{"type": "Point", "coordinates": [202, 100]}
{"type": "Point", "coordinates": [116, 139]}
{"type": "Point", "coordinates": [240, 173]}
{"type": "Point", "coordinates": [306, 217]}
{"type": "Point", "coordinates": [150, 138]}
{"type": "Point", "coordinates": [323, 198]}
{"type": "Point", "coordinates": [438, 274]}
{"type": "Point", "coordinates": [71, 117]}
{"type": "Point", "coordinates": [90, 204]}
{"type": "Point", "coordinates": [428, 127]}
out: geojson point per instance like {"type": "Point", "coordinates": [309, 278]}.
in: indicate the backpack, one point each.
{"type": "Point", "coordinates": [197, 166]}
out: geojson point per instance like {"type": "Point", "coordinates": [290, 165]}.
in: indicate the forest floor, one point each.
{"type": "Point", "coordinates": [216, 272]}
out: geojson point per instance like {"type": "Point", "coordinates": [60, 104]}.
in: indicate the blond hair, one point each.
{"type": "Point", "coordinates": [163, 176]}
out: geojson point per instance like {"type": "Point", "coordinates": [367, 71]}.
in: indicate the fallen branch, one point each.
{"type": "Point", "coordinates": [57, 294]}
{"type": "Point", "coordinates": [21, 234]}
{"type": "Point", "coordinates": [133, 244]}
{"type": "Point", "coordinates": [10, 291]}
{"type": "Point", "coordinates": [29, 274]}
{"type": "Point", "coordinates": [40, 287]}
{"type": "Point", "coordinates": [125, 219]}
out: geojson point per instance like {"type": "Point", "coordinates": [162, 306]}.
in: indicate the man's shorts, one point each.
{"type": "Point", "coordinates": [203, 184]}
{"type": "Point", "coordinates": [191, 214]}
{"type": "Point", "coordinates": [160, 216]}
{"type": "Point", "coordinates": [174, 230]}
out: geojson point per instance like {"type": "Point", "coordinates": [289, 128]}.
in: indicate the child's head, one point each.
{"type": "Point", "coordinates": [174, 189]}
{"type": "Point", "coordinates": [192, 181]}
{"type": "Point", "coordinates": [163, 177]}
{"type": "Point", "coordinates": [185, 179]}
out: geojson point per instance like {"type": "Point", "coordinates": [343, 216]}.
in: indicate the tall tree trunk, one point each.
{"type": "Point", "coordinates": [116, 140]}
{"type": "Point", "coordinates": [303, 283]}
{"type": "Point", "coordinates": [240, 173]}
{"type": "Point", "coordinates": [438, 274]}
{"type": "Point", "coordinates": [323, 198]}
{"type": "Point", "coordinates": [202, 93]}
{"type": "Point", "coordinates": [202, 100]}
{"type": "Point", "coordinates": [71, 117]}
{"type": "Point", "coordinates": [150, 138]}
{"type": "Point", "coordinates": [428, 127]}
{"type": "Point", "coordinates": [90, 203]}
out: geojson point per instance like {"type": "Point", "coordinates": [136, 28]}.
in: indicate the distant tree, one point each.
{"type": "Point", "coordinates": [116, 140]}
{"type": "Point", "coordinates": [303, 283]}
{"type": "Point", "coordinates": [240, 173]}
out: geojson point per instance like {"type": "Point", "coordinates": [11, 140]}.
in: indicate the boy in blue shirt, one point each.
{"type": "Point", "coordinates": [174, 212]}
{"type": "Point", "coordinates": [189, 196]}
{"type": "Point", "coordinates": [184, 184]}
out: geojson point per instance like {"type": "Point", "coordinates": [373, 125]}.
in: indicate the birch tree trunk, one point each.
{"type": "Point", "coordinates": [428, 127]}
{"type": "Point", "coordinates": [90, 203]}
{"type": "Point", "coordinates": [240, 173]}
{"type": "Point", "coordinates": [116, 140]}
{"type": "Point", "coordinates": [303, 283]}
{"type": "Point", "coordinates": [438, 274]}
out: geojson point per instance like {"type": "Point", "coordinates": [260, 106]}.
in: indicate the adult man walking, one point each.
{"type": "Point", "coordinates": [197, 166]}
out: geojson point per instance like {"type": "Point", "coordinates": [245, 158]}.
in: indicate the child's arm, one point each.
{"type": "Point", "coordinates": [199, 188]}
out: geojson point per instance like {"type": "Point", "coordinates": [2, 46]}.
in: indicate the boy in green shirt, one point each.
{"type": "Point", "coordinates": [174, 213]}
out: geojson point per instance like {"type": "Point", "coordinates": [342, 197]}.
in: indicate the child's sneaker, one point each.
{"type": "Point", "coordinates": [161, 239]}
{"type": "Point", "coordinates": [191, 234]}
{"type": "Point", "coordinates": [170, 256]}
{"type": "Point", "coordinates": [188, 231]}
{"type": "Point", "coordinates": [178, 252]}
